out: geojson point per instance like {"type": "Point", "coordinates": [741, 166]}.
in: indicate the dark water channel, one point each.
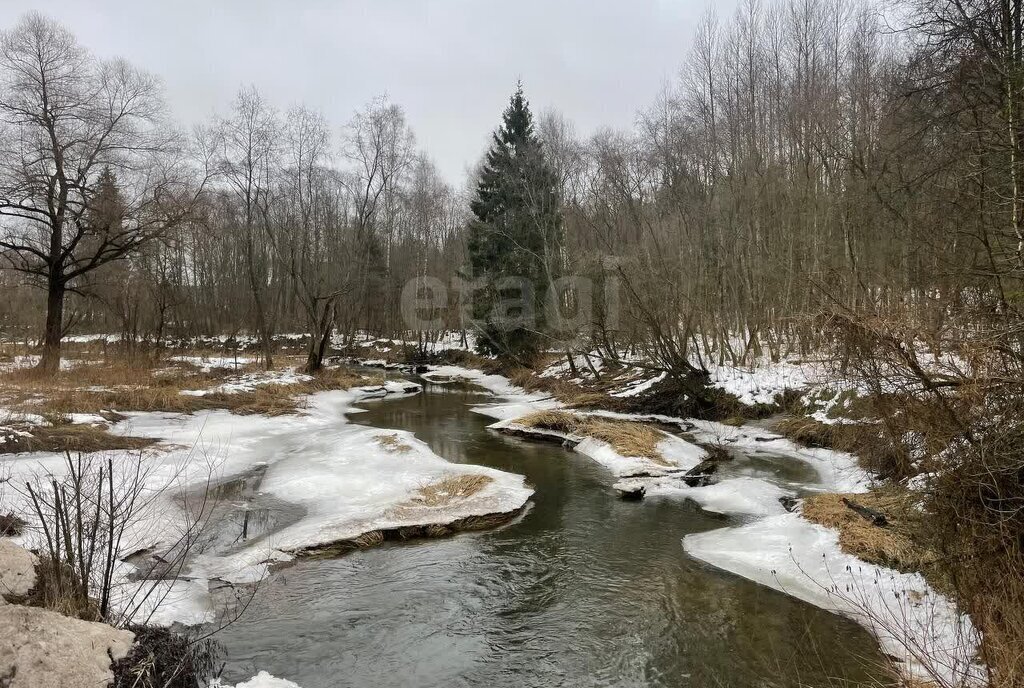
{"type": "Point", "coordinates": [584, 590]}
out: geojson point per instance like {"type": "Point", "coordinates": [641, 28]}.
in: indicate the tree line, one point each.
{"type": "Point", "coordinates": [812, 156]}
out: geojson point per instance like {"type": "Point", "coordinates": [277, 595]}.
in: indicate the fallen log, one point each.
{"type": "Point", "coordinates": [876, 518]}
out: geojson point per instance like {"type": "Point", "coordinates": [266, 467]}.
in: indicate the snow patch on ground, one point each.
{"type": "Point", "coordinates": [837, 471]}
{"type": "Point", "coordinates": [762, 383]}
{"type": "Point", "coordinates": [250, 381]}
{"type": "Point", "coordinates": [639, 386]}
{"type": "Point", "coordinates": [208, 363]}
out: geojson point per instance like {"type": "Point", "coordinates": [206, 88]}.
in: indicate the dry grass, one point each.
{"type": "Point", "coordinates": [569, 393]}
{"type": "Point", "coordinates": [627, 438]}
{"type": "Point", "coordinates": [74, 438]}
{"type": "Point", "coordinates": [892, 545]}
{"type": "Point", "coordinates": [393, 443]}
{"type": "Point", "coordinates": [57, 590]}
{"type": "Point", "coordinates": [450, 489]}
{"type": "Point", "coordinates": [875, 451]}
{"type": "Point", "coordinates": [11, 525]}
{"type": "Point", "coordinates": [95, 389]}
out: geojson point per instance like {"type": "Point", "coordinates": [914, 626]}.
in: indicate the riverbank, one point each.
{"type": "Point", "coordinates": [774, 545]}
{"type": "Point", "coordinates": [221, 495]}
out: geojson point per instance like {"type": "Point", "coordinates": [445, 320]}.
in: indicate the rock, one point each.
{"type": "Point", "coordinates": [17, 570]}
{"type": "Point", "coordinates": [43, 649]}
{"type": "Point", "coordinates": [700, 475]}
{"type": "Point", "coordinates": [789, 503]}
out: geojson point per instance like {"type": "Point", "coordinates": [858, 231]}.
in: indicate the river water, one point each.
{"type": "Point", "coordinates": [583, 590]}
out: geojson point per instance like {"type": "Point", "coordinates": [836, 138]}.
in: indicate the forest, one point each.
{"type": "Point", "coordinates": [829, 190]}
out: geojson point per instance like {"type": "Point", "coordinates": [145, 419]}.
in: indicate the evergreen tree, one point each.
{"type": "Point", "coordinates": [515, 239]}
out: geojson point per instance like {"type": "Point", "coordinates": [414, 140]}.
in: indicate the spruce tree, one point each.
{"type": "Point", "coordinates": [515, 239]}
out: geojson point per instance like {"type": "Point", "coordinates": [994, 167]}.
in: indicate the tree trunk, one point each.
{"type": "Point", "coordinates": [50, 362]}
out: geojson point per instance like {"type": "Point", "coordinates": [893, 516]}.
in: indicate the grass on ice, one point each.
{"type": "Point", "coordinates": [393, 443]}
{"type": "Point", "coordinates": [627, 438]}
{"type": "Point", "coordinates": [451, 489]}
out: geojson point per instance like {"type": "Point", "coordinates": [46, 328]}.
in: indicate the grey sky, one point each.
{"type": "Point", "coordinates": [450, 63]}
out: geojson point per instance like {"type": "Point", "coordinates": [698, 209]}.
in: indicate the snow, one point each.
{"type": "Point", "coordinates": [639, 387]}
{"type": "Point", "coordinates": [208, 363]}
{"type": "Point", "coordinates": [837, 471]}
{"type": "Point", "coordinates": [678, 453]}
{"type": "Point", "coordinates": [86, 419]}
{"type": "Point", "coordinates": [760, 384]}
{"type": "Point", "coordinates": [802, 559]}
{"type": "Point", "coordinates": [742, 496]}
{"type": "Point", "coordinates": [495, 384]}
{"type": "Point", "coordinates": [32, 360]}
{"type": "Point", "coordinates": [561, 368]}
{"type": "Point", "coordinates": [260, 680]}
{"type": "Point", "coordinates": [782, 550]}
{"type": "Point", "coordinates": [164, 603]}
{"type": "Point", "coordinates": [342, 480]}
{"type": "Point", "coordinates": [90, 338]}
{"type": "Point", "coordinates": [250, 381]}
{"type": "Point", "coordinates": [342, 476]}
{"type": "Point", "coordinates": [517, 401]}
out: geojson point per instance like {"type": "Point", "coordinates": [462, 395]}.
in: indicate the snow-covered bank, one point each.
{"type": "Point", "coordinates": [516, 402]}
{"type": "Point", "coordinates": [772, 546]}
{"type": "Point", "coordinates": [677, 454]}
{"type": "Point", "coordinates": [837, 471]}
{"type": "Point", "coordinates": [910, 620]}
{"type": "Point", "coordinates": [336, 481]}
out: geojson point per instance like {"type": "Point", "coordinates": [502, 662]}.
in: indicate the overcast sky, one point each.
{"type": "Point", "coordinates": [451, 64]}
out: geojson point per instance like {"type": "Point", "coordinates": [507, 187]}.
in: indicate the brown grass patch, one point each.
{"type": "Point", "coordinates": [874, 451]}
{"type": "Point", "coordinates": [569, 393]}
{"type": "Point", "coordinates": [627, 438]}
{"type": "Point", "coordinates": [393, 443]}
{"type": "Point", "coordinates": [96, 389]}
{"type": "Point", "coordinates": [74, 438]}
{"type": "Point", "coordinates": [450, 489]}
{"type": "Point", "coordinates": [56, 588]}
{"type": "Point", "coordinates": [892, 545]}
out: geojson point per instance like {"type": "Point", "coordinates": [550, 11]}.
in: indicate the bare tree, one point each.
{"type": "Point", "coordinates": [247, 149]}
{"type": "Point", "coordinates": [78, 133]}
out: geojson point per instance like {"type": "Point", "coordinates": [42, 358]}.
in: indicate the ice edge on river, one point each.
{"type": "Point", "coordinates": [343, 480]}
{"type": "Point", "coordinates": [912, 622]}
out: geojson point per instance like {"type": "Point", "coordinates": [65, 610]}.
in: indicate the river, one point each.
{"type": "Point", "coordinates": [583, 590]}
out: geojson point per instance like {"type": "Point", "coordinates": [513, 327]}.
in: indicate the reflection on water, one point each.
{"type": "Point", "coordinates": [584, 590]}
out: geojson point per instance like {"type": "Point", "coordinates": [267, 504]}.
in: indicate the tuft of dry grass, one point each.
{"type": "Point", "coordinates": [627, 438]}
{"type": "Point", "coordinates": [11, 525]}
{"type": "Point", "coordinates": [393, 443]}
{"type": "Point", "coordinates": [450, 489]}
{"type": "Point", "coordinates": [812, 433]}
{"type": "Point", "coordinates": [56, 589]}
{"type": "Point", "coordinates": [891, 545]}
